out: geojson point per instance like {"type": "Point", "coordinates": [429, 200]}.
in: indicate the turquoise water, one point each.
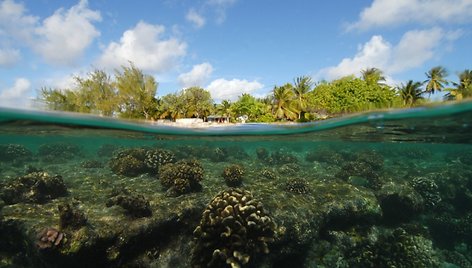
{"type": "Point", "coordinates": [382, 189]}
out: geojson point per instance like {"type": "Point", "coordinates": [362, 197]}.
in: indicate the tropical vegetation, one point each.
{"type": "Point", "coordinates": [130, 93]}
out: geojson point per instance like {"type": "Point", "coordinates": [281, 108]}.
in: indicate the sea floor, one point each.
{"type": "Point", "coordinates": [345, 204]}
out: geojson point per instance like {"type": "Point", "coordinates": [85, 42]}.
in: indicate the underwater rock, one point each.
{"type": "Point", "coordinates": [156, 158]}
{"type": "Point", "coordinates": [49, 238]}
{"type": "Point", "coordinates": [36, 187]}
{"type": "Point", "coordinates": [14, 153]}
{"type": "Point", "coordinates": [297, 186]}
{"type": "Point", "coordinates": [58, 152]}
{"type": "Point", "coordinates": [233, 229]}
{"type": "Point", "coordinates": [135, 205]}
{"type": "Point", "coordinates": [399, 202]}
{"type": "Point", "coordinates": [345, 205]}
{"type": "Point", "coordinates": [182, 177]}
{"type": "Point", "coordinates": [428, 189]}
{"type": "Point", "coordinates": [233, 175]}
{"type": "Point", "coordinates": [70, 217]}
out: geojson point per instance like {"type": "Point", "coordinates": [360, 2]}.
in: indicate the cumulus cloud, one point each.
{"type": "Point", "coordinates": [15, 23]}
{"type": "Point", "coordinates": [388, 13]}
{"type": "Point", "coordinates": [60, 38]}
{"type": "Point", "coordinates": [9, 57]}
{"type": "Point", "coordinates": [197, 76]}
{"type": "Point", "coordinates": [195, 18]}
{"type": "Point", "coordinates": [18, 95]}
{"type": "Point", "coordinates": [66, 34]}
{"type": "Point", "coordinates": [145, 46]}
{"type": "Point", "coordinates": [222, 89]}
{"type": "Point", "coordinates": [415, 48]}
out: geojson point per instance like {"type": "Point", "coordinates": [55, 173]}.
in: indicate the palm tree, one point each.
{"type": "Point", "coordinates": [224, 108]}
{"type": "Point", "coordinates": [436, 80]}
{"type": "Point", "coordinates": [411, 92]}
{"type": "Point", "coordinates": [373, 76]}
{"type": "Point", "coordinates": [463, 89]}
{"type": "Point", "coordinates": [302, 85]}
{"type": "Point", "coordinates": [283, 103]}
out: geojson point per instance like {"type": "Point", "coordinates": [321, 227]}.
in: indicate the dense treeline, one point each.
{"type": "Point", "coordinates": [132, 94]}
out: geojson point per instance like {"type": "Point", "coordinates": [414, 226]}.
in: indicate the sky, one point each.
{"type": "Point", "coordinates": [228, 47]}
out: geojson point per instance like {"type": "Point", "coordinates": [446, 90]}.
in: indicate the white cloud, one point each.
{"type": "Point", "coordinates": [414, 49]}
{"type": "Point", "coordinates": [195, 18]}
{"type": "Point", "coordinates": [197, 76]}
{"type": "Point", "coordinates": [220, 8]}
{"type": "Point", "coordinates": [14, 23]}
{"type": "Point", "coordinates": [9, 57]}
{"type": "Point", "coordinates": [66, 34]}
{"type": "Point", "coordinates": [145, 47]}
{"type": "Point", "coordinates": [388, 13]}
{"type": "Point", "coordinates": [222, 89]}
{"type": "Point", "coordinates": [18, 95]}
{"type": "Point", "coordinates": [375, 53]}
{"type": "Point", "coordinates": [60, 38]}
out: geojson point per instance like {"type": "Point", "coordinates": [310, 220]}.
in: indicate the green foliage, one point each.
{"type": "Point", "coordinates": [372, 76]}
{"type": "Point", "coordinates": [284, 106]}
{"type": "Point", "coordinates": [436, 79]}
{"type": "Point", "coordinates": [136, 93]}
{"type": "Point", "coordinates": [253, 108]}
{"type": "Point", "coordinates": [463, 89]}
{"type": "Point", "coordinates": [171, 106]}
{"type": "Point", "coordinates": [350, 94]}
{"type": "Point", "coordinates": [411, 93]}
{"type": "Point", "coordinates": [198, 102]}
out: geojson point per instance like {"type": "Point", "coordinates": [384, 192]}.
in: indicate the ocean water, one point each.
{"type": "Point", "coordinates": [380, 189]}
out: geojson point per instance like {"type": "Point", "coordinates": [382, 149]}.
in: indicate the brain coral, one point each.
{"type": "Point", "coordinates": [233, 228]}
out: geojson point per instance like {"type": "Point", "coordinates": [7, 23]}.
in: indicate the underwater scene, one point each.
{"type": "Point", "coordinates": [383, 189]}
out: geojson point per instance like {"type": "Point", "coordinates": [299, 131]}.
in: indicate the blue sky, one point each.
{"type": "Point", "coordinates": [228, 47]}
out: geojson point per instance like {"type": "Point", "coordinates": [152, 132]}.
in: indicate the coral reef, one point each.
{"type": "Point", "coordinates": [267, 173]}
{"type": "Point", "coordinates": [129, 162]}
{"type": "Point", "coordinates": [297, 186]}
{"type": "Point", "coordinates": [289, 169]}
{"type": "Point", "coordinates": [219, 154]}
{"type": "Point", "coordinates": [49, 238]}
{"type": "Point", "coordinates": [233, 229]}
{"type": "Point", "coordinates": [134, 204]}
{"type": "Point", "coordinates": [58, 152]}
{"type": "Point", "coordinates": [325, 155]}
{"type": "Point", "coordinates": [156, 158]}
{"type": "Point", "coordinates": [70, 217]}
{"type": "Point", "coordinates": [181, 177]}
{"type": "Point", "coordinates": [36, 187]}
{"type": "Point", "coordinates": [428, 189]}
{"type": "Point", "coordinates": [399, 202]}
{"type": "Point", "coordinates": [281, 157]}
{"type": "Point", "coordinates": [15, 153]}
{"type": "Point", "coordinates": [365, 164]}
{"type": "Point", "coordinates": [233, 175]}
